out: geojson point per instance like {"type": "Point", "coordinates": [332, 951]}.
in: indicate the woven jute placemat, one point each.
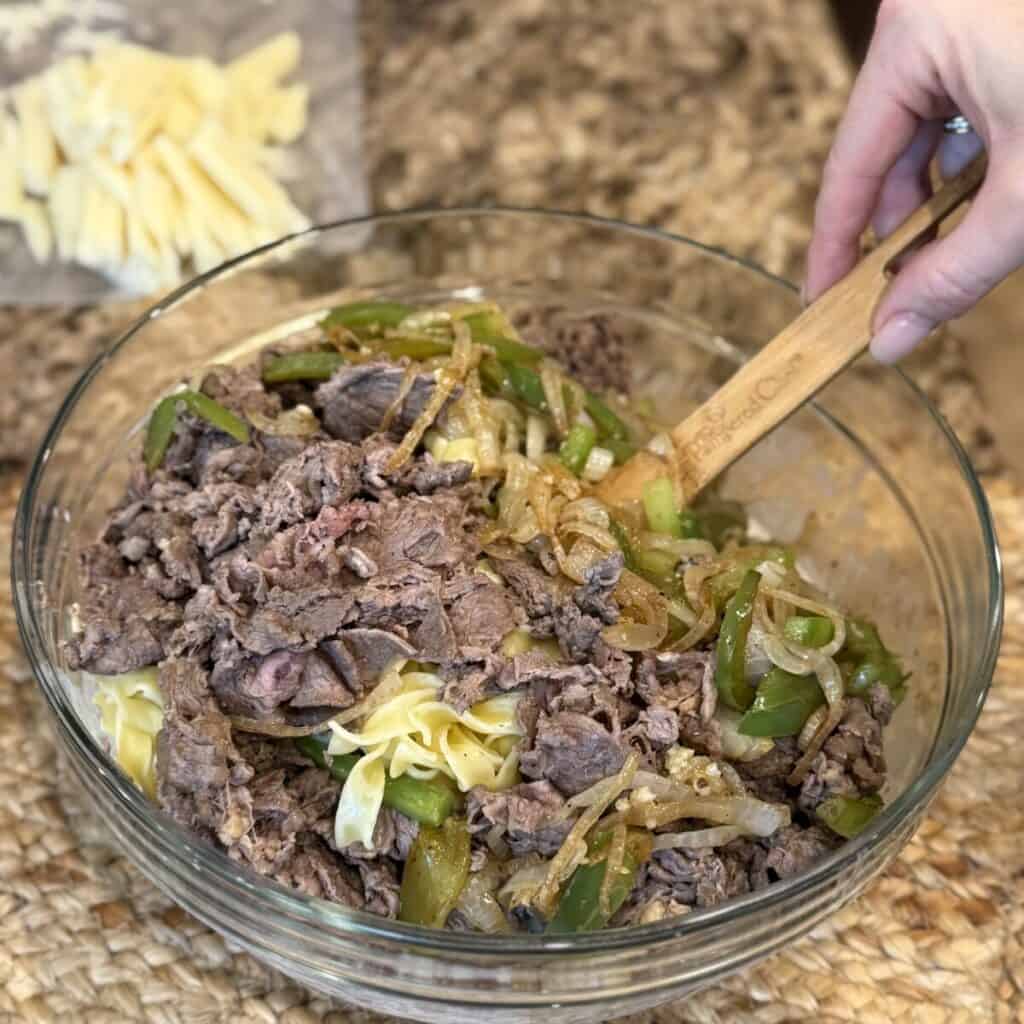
{"type": "Point", "coordinates": [712, 117]}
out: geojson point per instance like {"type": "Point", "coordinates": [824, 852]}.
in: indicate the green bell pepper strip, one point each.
{"type": "Point", "coordinates": [428, 801]}
{"type": "Point", "coordinates": [413, 348]}
{"type": "Point", "coordinates": [577, 446]}
{"type": "Point", "coordinates": [657, 567]}
{"type": "Point", "coordinates": [302, 366]}
{"type": "Point", "coordinates": [622, 451]}
{"type": "Point", "coordinates": [159, 432]}
{"type": "Point", "coordinates": [745, 559]}
{"type": "Point", "coordinates": [865, 660]}
{"type": "Point", "coordinates": [731, 669]}
{"type": "Point", "coordinates": [867, 673]}
{"type": "Point", "coordinates": [782, 705]}
{"type": "Point", "coordinates": [608, 424]}
{"type": "Point", "coordinates": [161, 423]}
{"type": "Point", "coordinates": [484, 332]}
{"type": "Point", "coordinates": [863, 641]}
{"type": "Point", "coordinates": [435, 874]}
{"type": "Point", "coordinates": [579, 909]}
{"type": "Point", "coordinates": [215, 414]}
{"type": "Point", "coordinates": [659, 500]}
{"type": "Point", "coordinates": [365, 315]}
{"type": "Point", "coordinates": [718, 517]}
{"type": "Point", "coordinates": [511, 380]}
{"type": "Point", "coordinates": [848, 816]}
{"type": "Point", "coordinates": [809, 630]}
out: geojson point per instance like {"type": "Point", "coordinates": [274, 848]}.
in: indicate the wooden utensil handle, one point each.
{"type": "Point", "coordinates": [797, 363]}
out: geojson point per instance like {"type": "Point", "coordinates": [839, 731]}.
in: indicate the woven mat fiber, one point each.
{"type": "Point", "coordinates": [706, 117]}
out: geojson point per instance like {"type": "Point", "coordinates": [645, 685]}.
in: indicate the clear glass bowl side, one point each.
{"type": "Point", "coordinates": [890, 519]}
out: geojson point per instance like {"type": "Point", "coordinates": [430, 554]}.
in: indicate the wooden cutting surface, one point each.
{"type": "Point", "coordinates": [710, 117]}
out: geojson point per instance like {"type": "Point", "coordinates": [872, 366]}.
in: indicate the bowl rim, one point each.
{"type": "Point", "coordinates": [338, 921]}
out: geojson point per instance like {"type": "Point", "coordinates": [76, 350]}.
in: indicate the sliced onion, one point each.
{"type": "Point", "coordinates": [454, 372]}
{"type": "Point", "coordinates": [612, 869]}
{"type": "Point", "coordinates": [298, 422]}
{"type": "Point", "coordinates": [551, 380]}
{"type": "Point", "coordinates": [496, 843]}
{"type": "Point", "coordinates": [811, 727]}
{"type": "Point", "coordinates": [598, 465]}
{"type": "Point", "coordinates": [274, 727]}
{"type": "Point", "coordinates": [752, 815]}
{"type": "Point", "coordinates": [479, 906]}
{"type": "Point", "coordinates": [408, 379]}
{"type": "Point", "coordinates": [699, 839]}
{"type": "Point", "coordinates": [651, 624]}
{"type": "Point", "coordinates": [831, 681]}
{"type": "Point", "coordinates": [536, 437]}
{"type": "Point", "coordinates": [735, 745]}
{"type": "Point", "coordinates": [661, 444]}
{"type": "Point", "coordinates": [682, 549]}
{"type": "Point", "coordinates": [574, 849]}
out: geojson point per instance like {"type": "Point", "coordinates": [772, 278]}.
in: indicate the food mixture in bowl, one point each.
{"type": "Point", "coordinates": [382, 618]}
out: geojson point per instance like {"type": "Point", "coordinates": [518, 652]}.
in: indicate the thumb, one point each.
{"type": "Point", "coordinates": [946, 278]}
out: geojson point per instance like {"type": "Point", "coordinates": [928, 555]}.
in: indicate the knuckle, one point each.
{"type": "Point", "coordinates": [949, 289]}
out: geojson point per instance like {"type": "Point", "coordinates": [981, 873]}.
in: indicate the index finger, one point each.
{"type": "Point", "coordinates": [877, 127]}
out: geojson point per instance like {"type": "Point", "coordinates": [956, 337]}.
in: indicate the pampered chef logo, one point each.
{"type": "Point", "coordinates": [718, 430]}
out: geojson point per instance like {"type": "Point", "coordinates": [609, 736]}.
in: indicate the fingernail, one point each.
{"type": "Point", "coordinates": [898, 336]}
{"type": "Point", "coordinates": [803, 295]}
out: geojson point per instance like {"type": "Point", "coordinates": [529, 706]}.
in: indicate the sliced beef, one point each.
{"type": "Point", "coordinates": [572, 752]}
{"type": "Point", "coordinates": [697, 878]}
{"type": "Point", "coordinates": [590, 348]}
{"type": "Point", "coordinates": [766, 776]}
{"type": "Point", "coordinates": [201, 777]}
{"type": "Point", "coordinates": [124, 624]}
{"type": "Point", "coordinates": [578, 623]}
{"type": "Point", "coordinates": [851, 763]}
{"type": "Point", "coordinates": [479, 610]}
{"type": "Point", "coordinates": [355, 400]}
{"type": "Point", "coordinates": [321, 474]}
{"type": "Point", "coordinates": [372, 651]}
{"type": "Point", "coordinates": [421, 474]}
{"type": "Point", "coordinates": [240, 389]}
{"type": "Point", "coordinates": [684, 684]}
{"type": "Point", "coordinates": [530, 818]}
{"type": "Point", "coordinates": [393, 836]}
{"type": "Point", "coordinates": [539, 595]}
{"type": "Point", "coordinates": [793, 849]}
{"type": "Point", "coordinates": [471, 676]}
{"type": "Point", "coordinates": [315, 871]}
{"type": "Point", "coordinates": [381, 886]}
{"type": "Point", "coordinates": [427, 531]}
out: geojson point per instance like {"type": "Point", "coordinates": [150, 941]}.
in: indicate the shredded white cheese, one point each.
{"type": "Point", "coordinates": [135, 163]}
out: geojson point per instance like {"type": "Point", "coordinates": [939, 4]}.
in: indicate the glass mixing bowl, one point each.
{"type": "Point", "coordinates": [889, 515]}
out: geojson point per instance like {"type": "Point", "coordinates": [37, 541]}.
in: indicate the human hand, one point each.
{"type": "Point", "coordinates": [928, 60]}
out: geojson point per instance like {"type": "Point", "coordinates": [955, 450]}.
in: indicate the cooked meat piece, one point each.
{"type": "Point", "coordinates": [537, 593]}
{"type": "Point", "coordinates": [124, 625]}
{"type": "Point", "coordinates": [766, 776]}
{"type": "Point", "coordinates": [471, 676]}
{"type": "Point", "coordinates": [381, 887]}
{"type": "Point", "coordinates": [590, 348]}
{"type": "Point", "coordinates": [201, 776]}
{"type": "Point", "coordinates": [795, 848]}
{"type": "Point", "coordinates": [572, 752]}
{"type": "Point", "coordinates": [393, 836]}
{"type": "Point", "coordinates": [256, 687]}
{"type": "Point", "coordinates": [315, 871]}
{"type": "Point", "coordinates": [851, 763]}
{"type": "Point", "coordinates": [428, 531]}
{"type": "Point", "coordinates": [479, 610]}
{"type": "Point", "coordinates": [355, 400]}
{"type": "Point", "coordinates": [322, 474]}
{"type": "Point", "coordinates": [530, 817]}
{"type": "Point", "coordinates": [240, 389]}
{"type": "Point", "coordinates": [372, 650]}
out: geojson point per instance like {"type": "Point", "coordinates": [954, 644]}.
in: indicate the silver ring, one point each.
{"type": "Point", "coordinates": [958, 125]}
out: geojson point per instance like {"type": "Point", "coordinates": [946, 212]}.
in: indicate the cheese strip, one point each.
{"type": "Point", "coordinates": [145, 161]}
